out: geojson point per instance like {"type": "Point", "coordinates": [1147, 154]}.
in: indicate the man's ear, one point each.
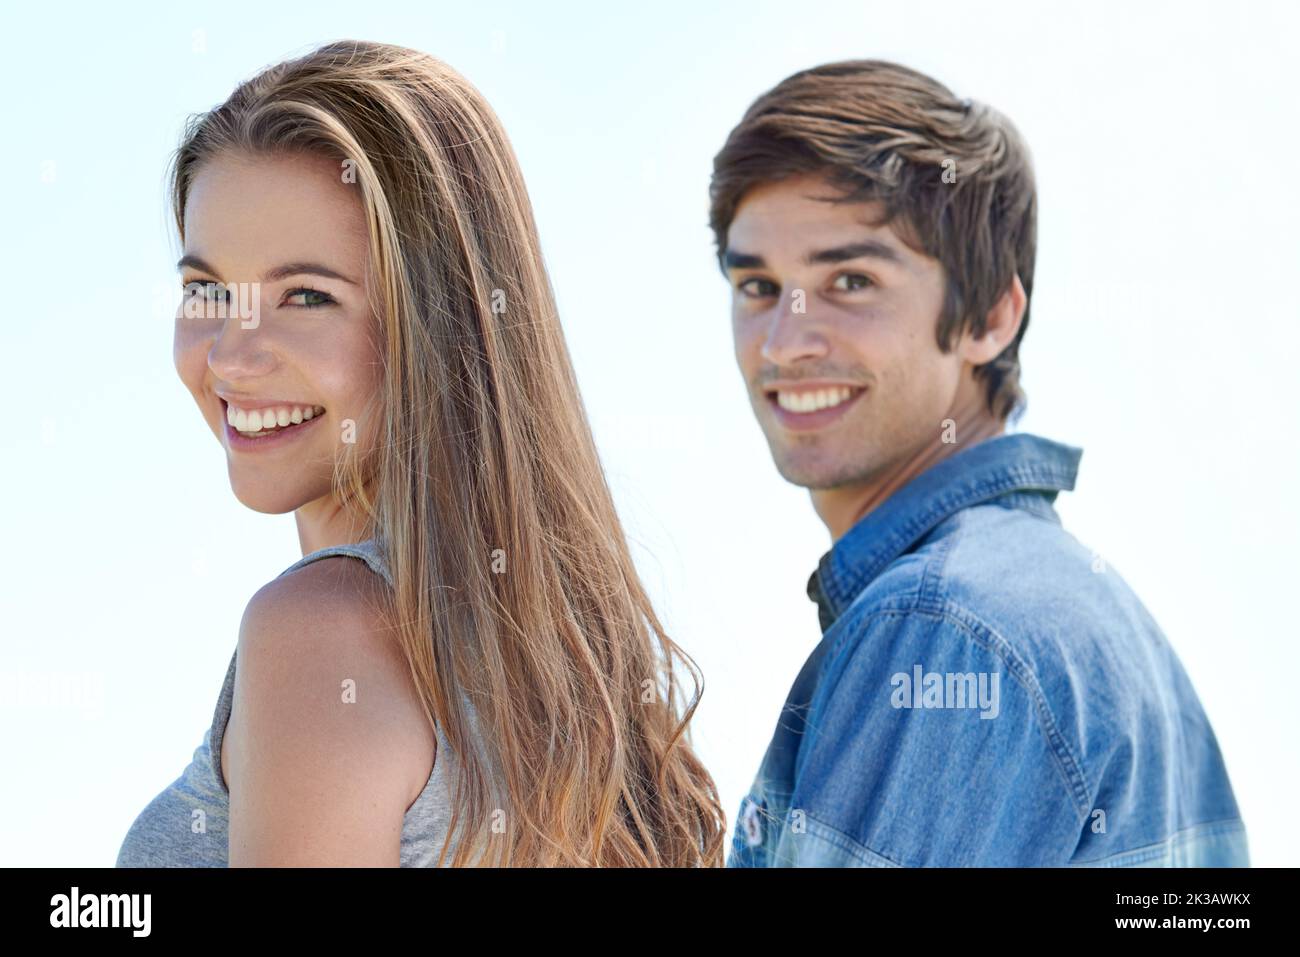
{"type": "Point", "coordinates": [1000, 326]}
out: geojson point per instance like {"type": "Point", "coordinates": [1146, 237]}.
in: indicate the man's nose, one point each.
{"type": "Point", "coordinates": [793, 333]}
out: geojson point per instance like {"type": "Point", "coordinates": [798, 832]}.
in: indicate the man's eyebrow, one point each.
{"type": "Point", "coordinates": [866, 248]}
{"type": "Point", "coordinates": [732, 259]}
{"type": "Point", "coordinates": [272, 275]}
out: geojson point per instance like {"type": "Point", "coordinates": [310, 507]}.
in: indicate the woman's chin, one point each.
{"type": "Point", "coordinates": [268, 501]}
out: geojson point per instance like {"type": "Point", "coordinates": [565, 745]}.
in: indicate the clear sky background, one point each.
{"type": "Point", "coordinates": [1164, 342]}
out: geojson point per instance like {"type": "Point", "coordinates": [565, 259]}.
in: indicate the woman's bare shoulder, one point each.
{"type": "Point", "coordinates": [327, 736]}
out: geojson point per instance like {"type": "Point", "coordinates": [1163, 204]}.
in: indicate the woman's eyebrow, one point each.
{"type": "Point", "coordinates": [272, 275]}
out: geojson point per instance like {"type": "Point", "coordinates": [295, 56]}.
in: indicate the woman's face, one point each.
{"type": "Point", "coordinates": [288, 341]}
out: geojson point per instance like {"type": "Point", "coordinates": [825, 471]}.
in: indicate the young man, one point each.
{"type": "Point", "coordinates": [987, 691]}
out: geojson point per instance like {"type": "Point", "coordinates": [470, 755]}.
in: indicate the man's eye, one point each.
{"type": "Point", "coordinates": [758, 288]}
{"type": "Point", "coordinates": [851, 281]}
{"type": "Point", "coordinates": [314, 298]}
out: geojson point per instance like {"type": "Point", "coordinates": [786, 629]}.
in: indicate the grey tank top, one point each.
{"type": "Point", "coordinates": [187, 824]}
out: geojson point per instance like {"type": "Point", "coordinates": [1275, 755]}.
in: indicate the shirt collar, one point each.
{"type": "Point", "coordinates": [1001, 466]}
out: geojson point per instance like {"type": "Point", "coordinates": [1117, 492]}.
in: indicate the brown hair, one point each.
{"type": "Point", "coordinates": [574, 752]}
{"type": "Point", "coordinates": [954, 174]}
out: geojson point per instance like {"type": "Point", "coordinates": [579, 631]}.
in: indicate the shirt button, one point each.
{"type": "Point", "coordinates": [751, 822]}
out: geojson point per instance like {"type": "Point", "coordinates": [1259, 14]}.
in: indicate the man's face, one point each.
{"type": "Point", "coordinates": [834, 323]}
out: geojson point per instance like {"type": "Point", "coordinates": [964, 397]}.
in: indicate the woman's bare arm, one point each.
{"type": "Point", "coordinates": [315, 777]}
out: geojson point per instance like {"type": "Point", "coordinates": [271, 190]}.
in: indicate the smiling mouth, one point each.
{"type": "Point", "coordinates": [804, 401]}
{"type": "Point", "coordinates": [259, 423]}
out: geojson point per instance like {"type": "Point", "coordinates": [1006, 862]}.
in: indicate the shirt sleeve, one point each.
{"type": "Point", "coordinates": [929, 743]}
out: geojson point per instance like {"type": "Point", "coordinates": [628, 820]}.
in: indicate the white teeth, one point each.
{"type": "Point", "coordinates": [265, 421]}
{"type": "Point", "coordinates": [813, 401]}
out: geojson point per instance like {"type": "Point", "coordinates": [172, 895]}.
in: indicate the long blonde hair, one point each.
{"type": "Point", "coordinates": [574, 751]}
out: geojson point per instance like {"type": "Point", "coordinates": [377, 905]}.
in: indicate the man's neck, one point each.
{"type": "Point", "coordinates": [843, 507]}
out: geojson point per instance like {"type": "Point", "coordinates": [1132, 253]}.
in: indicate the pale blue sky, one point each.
{"type": "Point", "coordinates": [1164, 341]}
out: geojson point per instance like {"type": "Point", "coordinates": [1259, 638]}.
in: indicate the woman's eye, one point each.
{"type": "Point", "coordinates": [851, 281]}
{"type": "Point", "coordinates": [757, 288]}
{"type": "Point", "coordinates": [313, 298]}
{"type": "Point", "coordinates": [205, 289]}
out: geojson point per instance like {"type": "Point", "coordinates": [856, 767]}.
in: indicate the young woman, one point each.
{"type": "Point", "coordinates": [368, 329]}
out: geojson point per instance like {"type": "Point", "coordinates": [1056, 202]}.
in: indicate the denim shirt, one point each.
{"type": "Point", "coordinates": [987, 692]}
